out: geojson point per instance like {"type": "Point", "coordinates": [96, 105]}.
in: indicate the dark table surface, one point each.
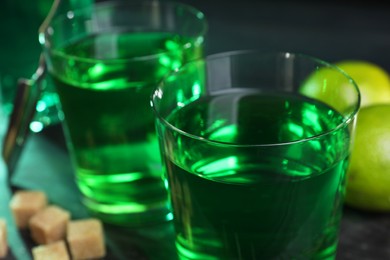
{"type": "Point", "coordinates": [331, 31]}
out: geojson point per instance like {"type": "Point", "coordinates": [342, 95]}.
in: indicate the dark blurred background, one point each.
{"type": "Point", "coordinates": [330, 30]}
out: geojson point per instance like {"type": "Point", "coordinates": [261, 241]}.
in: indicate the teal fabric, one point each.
{"type": "Point", "coordinates": [15, 241]}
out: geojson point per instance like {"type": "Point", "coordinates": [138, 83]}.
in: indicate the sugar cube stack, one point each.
{"type": "Point", "coordinates": [85, 239]}
{"type": "Point", "coordinates": [51, 228]}
{"type": "Point", "coordinates": [56, 250]}
{"type": "Point", "coordinates": [3, 239]}
{"type": "Point", "coordinates": [49, 225]}
{"type": "Point", "coordinates": [24, 204]}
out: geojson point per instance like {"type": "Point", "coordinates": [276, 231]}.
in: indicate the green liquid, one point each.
{"type": "Point", "coordinates": [110, 123]}
{"type": "Point", "coordinates": [257, 203]}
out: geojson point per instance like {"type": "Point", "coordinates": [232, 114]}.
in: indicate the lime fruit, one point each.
{"type": "Point", "coordinates": [368, 179]}
{"type": "Point", "coordinates": [373, 81]}
{"type": "Point", "coordinates": [330, 85]}
{"type": "Point", "coordinates": [368, 184]}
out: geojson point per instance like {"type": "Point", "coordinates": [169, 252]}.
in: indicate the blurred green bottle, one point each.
{"type": "Point", "coordinates": [20, 50]}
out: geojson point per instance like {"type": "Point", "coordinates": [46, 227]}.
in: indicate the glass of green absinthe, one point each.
{"type": "Point", "coordinates": [105, 60]}
{"type": "Point", "coordinates": [255, 148]}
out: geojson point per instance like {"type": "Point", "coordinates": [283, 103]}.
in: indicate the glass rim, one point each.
{"type": "Point", "coordinates": [347, 119]}
{"type": "Point", "coordinates": [72, 13]}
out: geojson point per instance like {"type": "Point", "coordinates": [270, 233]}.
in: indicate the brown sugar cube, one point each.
{"type": "Point", "coordinates": [85, 238]}
{"type": "Point", "coordinates": [3, 239]}
{"type": "Point", "coordinates": [56, 250]}
{"type": "Point", "coordinates": [24, 204]}
{"type": "Point", "coordinates": [49, 225]}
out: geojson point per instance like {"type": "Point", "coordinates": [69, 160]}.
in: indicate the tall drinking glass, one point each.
{"type": "Point", "coordinates": [255, 150]}
{"type": "Point", "coordinates": [105, 61]}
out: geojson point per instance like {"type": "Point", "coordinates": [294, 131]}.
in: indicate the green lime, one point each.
{"type": "Point", "coordinates": [368, 185]}
{"type": "Point", "coordinates": [373, 81]}
{"type": "Point", "coordinates": [332, 87]}
{"type": "Point", "coordinates": [368, 181]}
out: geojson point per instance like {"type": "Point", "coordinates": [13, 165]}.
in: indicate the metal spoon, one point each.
{"type": "Point", "coordinates": [27, 95]}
